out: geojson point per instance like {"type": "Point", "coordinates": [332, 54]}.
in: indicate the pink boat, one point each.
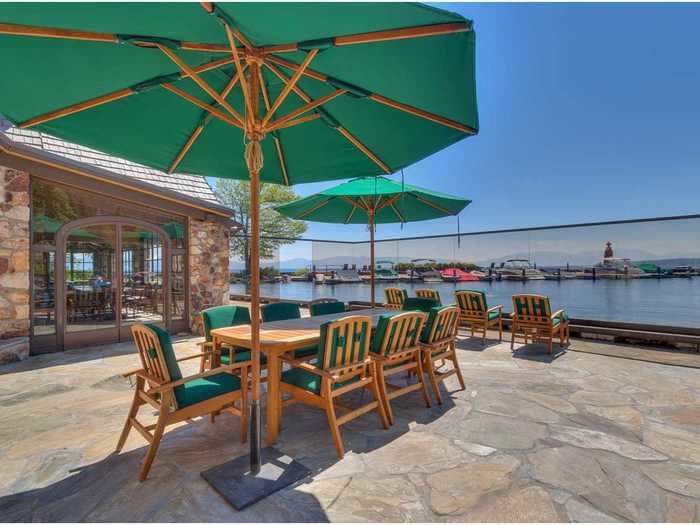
{"type": "Point", "coordinates": [457, 275]}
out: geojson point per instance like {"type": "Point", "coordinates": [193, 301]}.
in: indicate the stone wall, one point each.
{"type": "Point", "coordinates": [14, 265]}
{"type": "Point", "coordinates": [209, 260]}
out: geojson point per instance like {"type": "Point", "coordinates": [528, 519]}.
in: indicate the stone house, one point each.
{"type": "Point", "coordinates": [91, 244]}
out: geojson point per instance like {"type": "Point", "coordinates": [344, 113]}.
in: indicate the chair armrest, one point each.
{"type": "Point", "coordinates": [494, 308]}
{"type": "Point", "coordinates": [558, 313]}
{"type": "Point", "coordinates": [194, 356]}
{"type": "Point", "coordinates": [214, 371]}
{"type": "Point", "coordinates": [143, 374]}
{"type": "Point", "coordinates": [310, 368]}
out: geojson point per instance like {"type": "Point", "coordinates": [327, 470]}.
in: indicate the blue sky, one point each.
{"type": "Point", "coordinates": [587, 111]}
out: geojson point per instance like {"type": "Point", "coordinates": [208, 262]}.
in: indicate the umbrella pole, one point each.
{"type": "Point", "coordinates": [255, 319]}
{"type": "Point", "coordinates": [371, 255]}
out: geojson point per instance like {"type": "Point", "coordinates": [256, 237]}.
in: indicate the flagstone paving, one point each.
{"type": "Point", "coordinates": [577, 437]}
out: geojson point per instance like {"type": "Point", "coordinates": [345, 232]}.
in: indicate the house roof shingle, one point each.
{"type": "Point", "coordinates": [191, 185]}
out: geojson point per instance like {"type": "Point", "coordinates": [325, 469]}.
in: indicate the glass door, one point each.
{"type": "Point", "coordinates": [114, 275]}
{"type": "Point", "coordinates": [90, 285]}
{"type": "Point", "coordinates": [142, 278]}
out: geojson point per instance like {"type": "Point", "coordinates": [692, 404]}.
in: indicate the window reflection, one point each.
{"type": "Point", "coordinates": [177, 286]}
{"type": "Point", "coordinates": [90, 278]}
{"type": "Point", "coordinates": [142, 276]}
{"type": "Point", "coordinates": [44, 307]}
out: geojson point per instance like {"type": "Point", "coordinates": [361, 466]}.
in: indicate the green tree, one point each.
{"type": "Point", "coordinates": [236, 195]}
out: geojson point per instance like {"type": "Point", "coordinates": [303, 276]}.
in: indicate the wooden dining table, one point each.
{"type": "Point", "coordinates": [278, 338]}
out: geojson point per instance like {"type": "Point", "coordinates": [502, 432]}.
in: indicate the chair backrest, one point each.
{"type": "Point", "coordinates": [156, 352]}
{"type": "Point", "coordinates": [471, 303]}
{"type": "Point", "coordinates": [397, 333]}
{"type": "Point", "coordinates": [326, 307]}
{"type": "Point", "coordinates": [223, 316]}
{"type": "Point", "coordinates": [428, 293]}
{"type": "Point", "coordinates": [422, 304]}
{"type": "Point", "coordinates": [280, 311]}
{"type": "Point", "coordinates": [532, 309]}
{"type": "Point", "coordinates": [395, 298]}
{"type": "Point", "coordinates": [442, 324]}
{"type": "Point", "coordinates": [344, 345]}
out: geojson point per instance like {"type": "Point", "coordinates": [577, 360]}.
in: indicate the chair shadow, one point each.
{"type": "Point", "coordinates": [109, 490]}
{"type": "Point", "coordinates": [539, 352]}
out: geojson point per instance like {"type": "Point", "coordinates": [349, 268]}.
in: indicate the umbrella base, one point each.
{"type": "Point", "coordinates": [241, 488]}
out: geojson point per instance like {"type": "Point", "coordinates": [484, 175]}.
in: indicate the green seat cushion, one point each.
{"type": "Point", "coordinates": [422, 304]}
{"type": "Point", "coordinates": [494, 315]}
{"type": "Point", "coordinates": [168, 352]}
{"type": "Point", "coordinates": [279, 312]}
{"type": "Point", "coordinates": [223, 316]}
{"type": "Point", "coordinates": [205, 388]}
{"type": "Point", "coordinates": [305, 352]}
{"type": "Point", "coordinates": [309, 381]}
{"type": "Point", "coordinates": [380, 333]}
{"type": "Point", "coordinates": [335, 307]}
{"type": "Point", "coordinates": [240, 356]}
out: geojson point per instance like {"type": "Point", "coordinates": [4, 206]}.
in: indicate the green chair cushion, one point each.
{"type": "Point", "coordinates": [337, 342]}
{"type": "Point", "coordinates": [335, 307]}
{"type": "Point", "coordinates": [168, 352]}
{"type": "Point", "coordinates": [279, 312]}
{"type": "Point", "coordinates": [432, 316]}
{"type": "Point", "coordinates": [494, 315]}
{"type": "Point", "coordinates": [240, 356]}
{"type": "Point", "coordinates": [422, 304]}
{"type": "Point", "coordinates": [205, 388]}
{"type": "Point", "coordinates": [223, 316]}
{"type": "Point", "coordinates": [309, 381]}
{"type": "Point", "coordinates": [476, 302]}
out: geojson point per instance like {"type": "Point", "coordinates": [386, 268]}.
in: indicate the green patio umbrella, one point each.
{"type": "Point", "coordinates": [278, 92]}
{"type": "Point", "coordinates": [372, 201]}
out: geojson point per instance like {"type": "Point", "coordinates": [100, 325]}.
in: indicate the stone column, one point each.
{"type": "Point", "coordinates": [14, 265]}
{"type": "Point", "coordinates": [209, 266]}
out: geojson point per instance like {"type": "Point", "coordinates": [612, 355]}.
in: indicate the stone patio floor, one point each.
{"type": "Point", "coordinates": [576, 437]}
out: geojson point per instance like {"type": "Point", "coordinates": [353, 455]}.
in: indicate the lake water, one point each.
{"type": "Point", "coordinates": [655, 301]}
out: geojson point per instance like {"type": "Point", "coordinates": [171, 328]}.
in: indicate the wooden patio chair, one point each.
{"type": "Point", "coordinates": [476, 315]}
{"type": "Point", "coordinates": [326, 307]}
{"type": "Point", "coordinates": [438, 344]}
{"type": "Point", "coordinates": [395, 298]}
{"type": "Point", "coordinates": [429, 293]}
{"type": "Point", "coordinates": [533, 317]}
{"type": "Point", "coordinates": [283, 311]}
{"type": "Point", "coordinates": [223, 317]}
{"type": "Point", "coordinates": [395, 349]}
{"type": "Point", "coordinates": [343, 365]}
{"type": "Point", "coordinates": [159, 383]}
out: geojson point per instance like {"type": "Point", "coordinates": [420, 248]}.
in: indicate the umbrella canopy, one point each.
{"type": "Point", "coordinates": [379, 86]}
{"type": "Point", "coordinates": [372, 200]}
{"type": "Point", "coordinates": [278, 92]}
{"type": "Point", "coordinates": [389, 201]}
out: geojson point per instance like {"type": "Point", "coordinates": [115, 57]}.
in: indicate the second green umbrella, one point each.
{"type": "Point", "coordinates": [371, 201]}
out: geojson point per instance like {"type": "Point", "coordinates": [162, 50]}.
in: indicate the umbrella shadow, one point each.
{"type": "Point", "coordinates": [79, 355]}
{"type": "Point", "coordinates": [108, 489]}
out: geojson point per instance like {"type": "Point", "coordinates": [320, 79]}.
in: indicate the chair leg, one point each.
{"type": "Point", "coordinates": [512, 336]}
{"type": "Point", "coordinates": [433, 379]}
{"type": "Point", "coordinates": [384, 398]}
{"type": "Point", "coordinates": [157, 435]}
{"type": "Point", "coordinates": [135, 405]}
{"type": "Point", "coordinates": [483, 337]}
{"type": "Point", "coordinates": [374, 386]}
{"type": "Point", "coordinates": [455, 363]}
{"type": "Point", "coordinates": [500, 329]}
{"type": "Point", "coordinates": [551, 343]}
{"type": "Point", "coordinates": [202, 363]}
{"type": "Point", "coordinates": [332, 420]}
{"type": "Point", "coordinates": [421, 378]}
